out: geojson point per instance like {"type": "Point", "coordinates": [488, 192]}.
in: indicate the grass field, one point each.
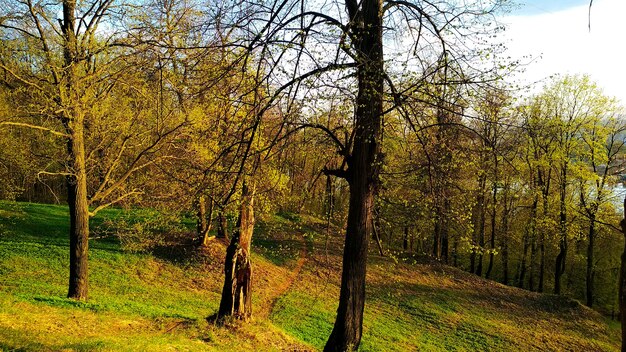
{"type": "Point", "coordinates": [158, 300]}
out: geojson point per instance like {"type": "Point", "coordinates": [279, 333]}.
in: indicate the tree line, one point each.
{"type": "Point", "coordinates": [390, 118]}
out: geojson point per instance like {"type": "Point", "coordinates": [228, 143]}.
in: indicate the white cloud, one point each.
{"type": "Point", "coordinates": [562, 43]}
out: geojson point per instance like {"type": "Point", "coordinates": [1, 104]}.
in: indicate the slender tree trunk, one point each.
{"type": "Point", "coordinates": [405, 240]}
{"type": "Point", "coordinates": [206, 224]}
{"type": "Point", "coordinates": [561, 257]}
{"type": "Point", "coordinates": [445, 240]}
{"type": "Point", "coordinates": [237, 290]}
{"type": "Point", "coordinates": [542, 261]}
{"type": "Point", "coordinates": [363, 171]}
{"type": "Point", "coordinates": [622, 283]}
{"type": "Point", "coordinates": [437, 235]}
{"type": "Point", "coordinates": [504, 238]}
{"type": "Point", "coordinates": [222, 224]}
{"type": "Point", "coordinates": [590, 271]}
{"type": "Point", "coordinates": [533, 243]}
{"type": "Point", "coordinates": [492, 239]}
{"type": "Point", "coordinates": [481, 232]}
{"type": "Point", "coordinates": [521, 271]}
{"type": "Point", "coordinates": [375, 229]}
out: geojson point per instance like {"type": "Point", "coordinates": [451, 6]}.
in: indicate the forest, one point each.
{"type": "Point", "coordinates": [261, 139]}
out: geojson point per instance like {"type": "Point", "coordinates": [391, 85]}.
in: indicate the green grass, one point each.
{"type": "Point", "coordinates": [156, 301]}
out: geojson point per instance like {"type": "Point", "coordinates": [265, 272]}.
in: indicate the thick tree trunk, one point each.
{"type": "Point", "coordinates": [363, 171]}
{"type": "Point", "coordinates": [590, 271]}
{"type": "Point", "coordinates": [79, 216]}
{"type": "Point", "coordinates": [74, 122]}
{"type": "Point", "coordinates": [622, 284]}
{"type": "Point", "coordinates": [237, 290]}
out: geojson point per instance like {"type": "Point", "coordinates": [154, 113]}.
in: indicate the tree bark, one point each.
{"type": "Point", "coordinates": [492, 239]}
{"type": "Point", "coordinates": [73, 122]}
{"type": "Point", "coordinates": [363, 171]}
{"type": "Point", "coordinates": [79, 215]}
{"type": "Point", "coordinates": [204, 220]}
{"type": "Point", "coordinates": [405, 240]}
{"type": "Point", "coordinates": [590, 271]}
{"type": "Point", "coordinates": [622, 283]}
{"type": "Point", "coordinates": [562, 256]}
{"type": "Point", "coordinates": [222, 224]}
{"type": "Point", "coordinates": [237, 290]}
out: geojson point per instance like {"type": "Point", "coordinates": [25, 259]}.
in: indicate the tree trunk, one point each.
{"type": "Point", "coordinates": [205, 221]}
{"type": "Point", "coordinates": [79, 216]}
{"type": "Point", "coordinates": [237, 291]}
{"type": "Point", "coordinates": [73, 122]}
{"type": "Point", "coordinates": [590, 271]}
{"type": "Point", "coordinates": [521, 271]}
{"type": "Point", "coordinates": [375, 229]}
{"type": "Point", "coordinates": [445, 240]}
{"type": "Point", "coordinates": [622, 283]}
{"type": "Point", "coordinates": [481, 237]}
{"type": "Point", "coordinates": [437, 234]}
{"type": "Point", "coordinates": [562, 256]}
{"type": "Point", "coordinates": [405, 240]}
{"type": "Point", "coordinates": [222, 224]}
{"type": "Point", "coordinates": [363, 171]}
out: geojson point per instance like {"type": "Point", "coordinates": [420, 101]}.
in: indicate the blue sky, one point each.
{"type": "Point", "coordinates": [534, 7]}
{"type": "Point", "coordinates": [556, 35]}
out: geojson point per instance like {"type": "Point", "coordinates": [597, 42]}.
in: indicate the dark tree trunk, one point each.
{"type": "Point", "coordinates": [590, 271]}
{"type": "Point", "coordinates": [363, 170]}
{"type": "Point", "coordinates": [437, 236]}
{"type": "Point", "coordinates": [504, 238]}
{"type": "Point", "coordinates": [405, 240]}
{"type": "Point", "coordinates": [481, 231]}
{"type": "Point", "coordinates": [79, 218]}
{"type": "Point", "coordinates": [562, 255]}
{"type": "Point", "coordinates": [222, 224]}
{"type": "Point", "coordinates": [521, 271]}
{"type": "Point", "coordinates": [445, 241]}
{"type": "Point", "coordinates": [542, 261]}
{"type": "Point", "coordinates": [622, 283]}
{"type": "Point", "coordinates": [237, 290]}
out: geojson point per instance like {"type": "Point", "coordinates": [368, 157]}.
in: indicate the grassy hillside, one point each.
{"type": "Point", "coordinates": [157, 301]}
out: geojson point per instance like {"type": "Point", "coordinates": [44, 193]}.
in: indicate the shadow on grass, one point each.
{"type": "Point", "coordinates": [18, 340]}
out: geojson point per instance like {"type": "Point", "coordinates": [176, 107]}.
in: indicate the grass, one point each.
{"type": "Point", "coordinates": [157, 301]}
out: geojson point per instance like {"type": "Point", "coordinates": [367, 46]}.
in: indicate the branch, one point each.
{"type": "Point", "coordinates": [41, 128]}
{"type": "Point", "coordinates": [117, 200]}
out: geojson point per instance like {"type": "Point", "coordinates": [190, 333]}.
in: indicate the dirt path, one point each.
{"type": "Point", "coordinates": [282, 289]}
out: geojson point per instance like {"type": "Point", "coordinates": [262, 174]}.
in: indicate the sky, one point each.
{"type": "Point", "coordinates": [556, 34]}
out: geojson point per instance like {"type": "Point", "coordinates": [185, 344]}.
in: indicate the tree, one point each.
{"type": "Point", "coordinates": [68, 80]}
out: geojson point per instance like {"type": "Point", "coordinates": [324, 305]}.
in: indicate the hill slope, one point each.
{"type": "Point", "coordinates": [158, 301]}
